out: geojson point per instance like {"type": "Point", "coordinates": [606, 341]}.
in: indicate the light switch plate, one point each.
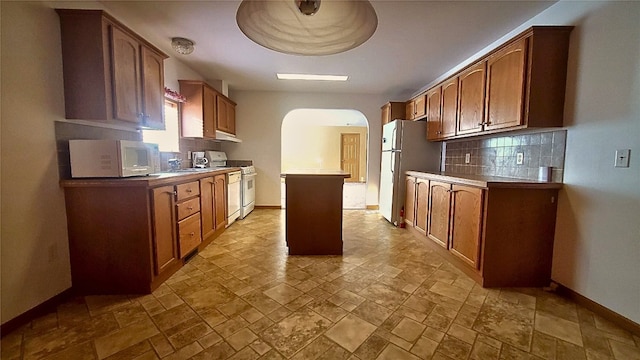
{"type": "Point", "coordinates": [519, 158]}
{"type": "Point", "coordinates": [467, 158]}
{"type": "Point", "coordinates": [622, 158]}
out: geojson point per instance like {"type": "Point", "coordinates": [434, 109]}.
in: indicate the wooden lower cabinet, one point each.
{"type": "Point", "coordinates": [422, 203]}
{"type": "Point", "coordinates": [213, 207]}
{"type": "Point", "coordinates": [439, 213]}
{"type": "Point", "coordinates": [409, 202]}
{"type": "Point", "coordinates": [500, 234]}
{"type": "Point", "coordinates": [466, 223]}
{"type": "Point", "coordinates": [165, 247]}
{"type": "Point", "coordinates": [128, 236]}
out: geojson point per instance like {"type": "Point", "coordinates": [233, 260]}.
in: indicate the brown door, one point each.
{"type": "Point", "coordinates": [422, 205]}
{"type": "Point", "coordinates": [505, 86]}
{"type": "Point", "coordinates": [439, 211]}
{"type": "Point", "coordinates": [165, 246]}
{"type": "Point", "coordinates": [152, 89]}
{"type": "Point", "coordinates": [466, 223]}
{"type": "Point", "coordinates": [350, 156]}
{"type": "Point", "coordinates": [220, 200]}
{"type": "Point", "coordinates": [125, 67]}
{"type": "Point", "coordinates": [434, 121]}
{"type": "Point", "coordinates": [409, 201]}
{"type": "Point", "coordinates": [449, 107]}
{"type": "Point", "coordinates": [471, 99]}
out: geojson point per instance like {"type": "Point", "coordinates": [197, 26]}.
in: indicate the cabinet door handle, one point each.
{"type": "Point", "coordinates": [175, 192]}
{"type": "Point", "coordinates": [192, 234]}
{"type": "Point", "coordinates": [480, 124]}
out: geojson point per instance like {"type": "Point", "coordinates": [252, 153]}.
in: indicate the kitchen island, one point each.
{"type": "Point", "coordinates": [314, 211]}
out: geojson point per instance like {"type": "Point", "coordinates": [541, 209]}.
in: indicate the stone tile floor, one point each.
{"type": "Point", "coordinates": [388, 297]}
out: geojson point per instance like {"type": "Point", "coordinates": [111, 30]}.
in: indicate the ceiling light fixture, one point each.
{"type": "Point", "coordinates": [312, 77]}
{"type": "Point", "coordinates": [303, 27]}
{"type": "Point", "coordinates": [182, 46]}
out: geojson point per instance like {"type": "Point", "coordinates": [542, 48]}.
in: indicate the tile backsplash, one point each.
{"type": "Point", "coordinates": [66, 131]}
{"type": "Point", "coordinates": [496, 156]}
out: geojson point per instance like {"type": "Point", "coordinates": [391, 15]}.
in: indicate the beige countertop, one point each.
{"type": "Point", "coordinates": [152, 180]}
{"type": "Point", "coordinates": [484, 181]}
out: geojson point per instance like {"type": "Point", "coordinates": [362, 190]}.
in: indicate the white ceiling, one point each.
{"type": "Point", "coordinates": [415, 43]}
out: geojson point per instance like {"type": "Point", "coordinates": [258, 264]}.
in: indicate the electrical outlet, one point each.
{"type": "Point", "coordinates": [519, 158]}
{"type": "Point", "coordinates": [467, 158]}
{"type": "Point", "coordinates": [188, 155]}
{"type": "Point", "coordinates": [622, 158]}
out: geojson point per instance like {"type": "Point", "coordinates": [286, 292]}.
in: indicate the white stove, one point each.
{"type": "Point", "coordinates": [247, 190]}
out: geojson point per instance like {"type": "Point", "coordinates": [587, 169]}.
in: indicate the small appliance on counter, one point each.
{"type": "Point", "coordinates": [199, 160]}
{"type": "Point", "coordinates": [110, 158]}
{"type": "Point", "coordinates": [217, 159]}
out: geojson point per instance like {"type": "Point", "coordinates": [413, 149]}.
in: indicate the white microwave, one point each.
{"type": "Point", "coordinates": [110, 158]}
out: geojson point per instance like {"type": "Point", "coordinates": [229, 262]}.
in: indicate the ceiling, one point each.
{"type": "Point", "coordinates": [415, 43]}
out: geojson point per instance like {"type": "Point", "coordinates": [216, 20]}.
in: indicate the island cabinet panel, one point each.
{"type": "Point", "coordinates": [498, 231]}
{"type": "Point", "coordinates": [422, 205]}
{"type": "Point", "coordinates": [165, 249]}
{"type": "Point", "coordinates": [410, 200]}
{"type": "Point", "coordinates": [466, 223]}
{"type": "Point", "coordinates": [110, 73]}
{"type": "Point", "coordinates": [505, 86]}
{"type": "Point", "coordinates": [471, 99]}
{"type": "Point", "coordinates": [439, 212]}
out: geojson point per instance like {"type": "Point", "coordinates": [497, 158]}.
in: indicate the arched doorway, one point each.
{"type": "Point", "coordinates": [328, 139]}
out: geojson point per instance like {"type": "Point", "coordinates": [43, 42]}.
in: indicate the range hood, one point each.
{"type": "Point", "coordinates": [223, 136]}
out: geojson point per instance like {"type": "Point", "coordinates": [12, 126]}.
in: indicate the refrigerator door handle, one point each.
{"type": "Point", "coordinates": [393, 138]}
{"type": "Point", "coordinates": [393, 165]}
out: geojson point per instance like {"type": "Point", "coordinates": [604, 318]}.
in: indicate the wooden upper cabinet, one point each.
{"type": "Point", "coordinates": [199, 112]}
{"type": "Point", "coordinates": [505, 86]}
{"type": "Point", "coordinates": [434, 119]}
{"type": "Point", "coordinates": [466, 223]}
{"type": "Point", "coordinates": [439, 212]}
{"type": "Point", "coordinates": [125, 56]}
{"type": "Point", "coordinates": [226, 116]}
{"type": "Point", "coordinates": [409, 202]}
{"type": "Point", "coordinates": [110, 73]}
{"type": "Point", "coordinates": [391, 111]}
{"type": "Point", "coordinates": [471, 99]}
{"type": "Point", "coordinates": [449, 110]}
{"type": "Point", "coordinates": [422, 205]}
{"type": "Point", "coordinates": [416, 107]}
{"type": "Point", "coordinates": [152, 89]}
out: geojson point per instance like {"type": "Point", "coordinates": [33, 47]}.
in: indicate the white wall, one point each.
{"type": "Point", "coordinates": [35, 255]}
{"type": "Point", "coordinates": [34, 246]}
{"type": "Point", "coordinates": [259, 118]}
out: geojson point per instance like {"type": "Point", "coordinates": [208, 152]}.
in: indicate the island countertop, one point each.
{"type": "Point", "coordinates": [315, 172]}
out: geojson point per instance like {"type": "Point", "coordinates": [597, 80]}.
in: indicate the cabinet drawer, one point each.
{"type": "Point", "coordinates": [187, 190]}
{"type": "Point", "coordinates": [189, 234]}
{"type": "Point", "coordinates": [188, 207]}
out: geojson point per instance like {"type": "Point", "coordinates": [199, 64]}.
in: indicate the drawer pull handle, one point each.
{"type": "Point", "coordinates": [192, 234]}
{"type": "Point", "coordinates": [189, 190]}
{"type": "Point", "coordinates": [190, 207]}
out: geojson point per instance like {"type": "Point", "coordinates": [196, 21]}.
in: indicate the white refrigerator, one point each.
{"type": "Point", "coordinates": [404, 148]}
